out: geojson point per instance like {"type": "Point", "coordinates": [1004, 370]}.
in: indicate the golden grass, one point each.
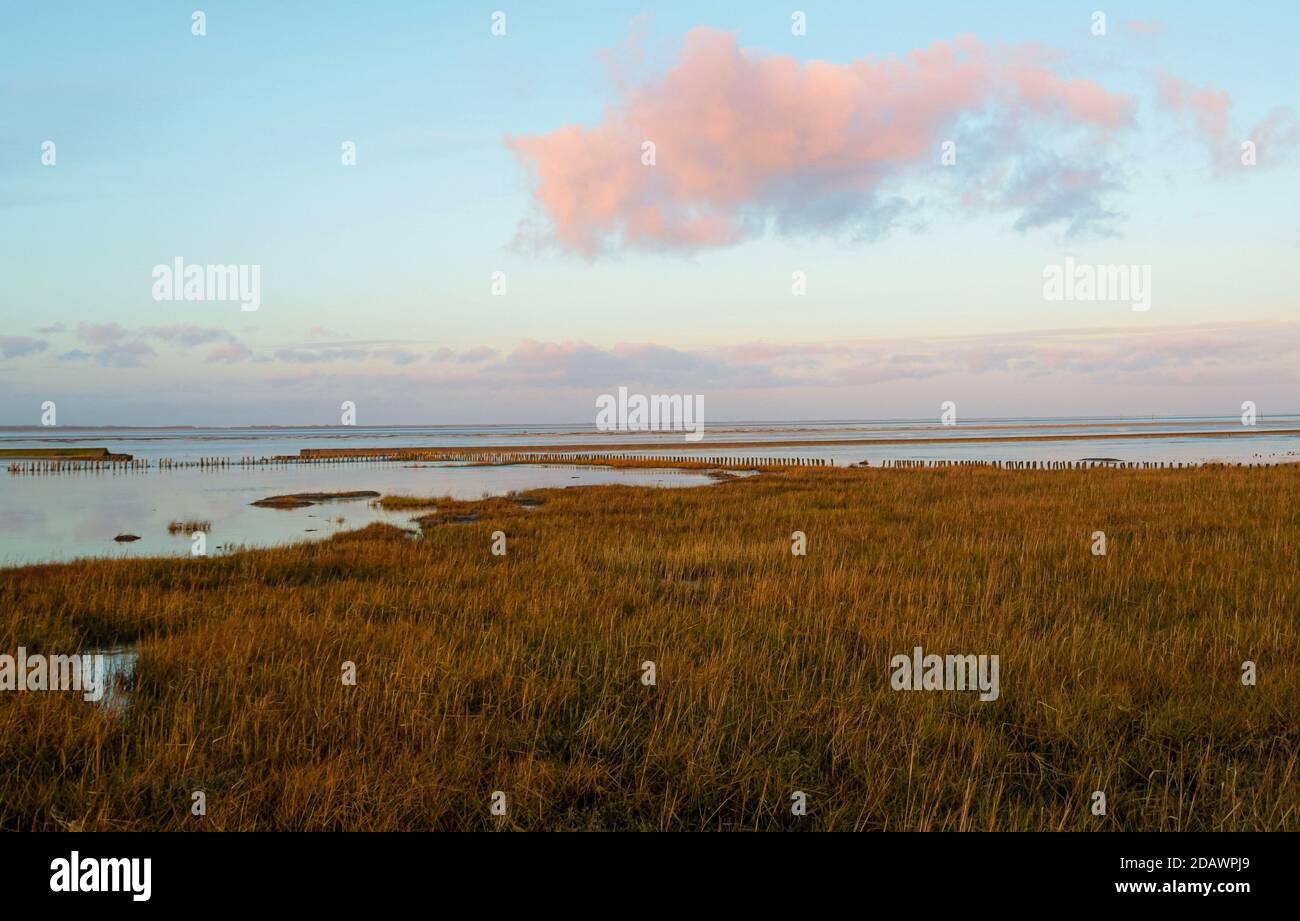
{"type": "Point", "coordinates": [447, 506]}
{"type": "Point", "coordinates": [404, 503]}
{"type": "Point", "coordinates": [521, 673]}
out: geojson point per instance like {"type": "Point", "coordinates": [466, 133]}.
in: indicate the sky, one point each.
{"type": "Point", "coordinates": [799, 243]}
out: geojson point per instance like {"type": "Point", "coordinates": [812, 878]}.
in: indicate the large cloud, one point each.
{"type": "Point", "coordinates": [744, 139]}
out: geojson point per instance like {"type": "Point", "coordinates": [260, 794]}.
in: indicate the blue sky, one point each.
{"type": "Point", "coordinates": [225, 148]}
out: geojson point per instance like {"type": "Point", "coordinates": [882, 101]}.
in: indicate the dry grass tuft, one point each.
{"type": "Point", "coordinates": [189, 526]}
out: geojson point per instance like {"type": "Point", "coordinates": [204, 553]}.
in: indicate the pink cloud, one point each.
{"type": "Point", "coordinates": [230, 353]}
{"type": "Point", "coordinates": [1073, 100]}
{"type": "Point", "coordinates": [102, 334]}
{"type": "Point", "coordinates": [742, 138]}
{"type": "Point", "coordinates": [1143, 27]}
{"type": "Point", "coordinates": [1210, 107]}
{"type": "Point", "coordinates": [1275, 136]}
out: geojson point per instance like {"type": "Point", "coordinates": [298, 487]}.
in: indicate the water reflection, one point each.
{"type": "Point", "coordinates": [117, 665]}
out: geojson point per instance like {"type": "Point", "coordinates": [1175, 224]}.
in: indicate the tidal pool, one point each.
{"type": "Point", "coordinates": [66, 516]}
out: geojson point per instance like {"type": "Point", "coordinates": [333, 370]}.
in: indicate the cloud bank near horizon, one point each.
{"type": "Point", "coordinates": [1189, 370]}
{"type": "Point", "coordinates": [1179, 352]}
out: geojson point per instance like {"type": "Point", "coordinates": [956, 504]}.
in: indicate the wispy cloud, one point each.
{"type": "Point", "coordinates": [101, 333]}
{"type": "Point", "coordinates": [114, 346]}
{"type": "Point", "coordinates": [18, 346]}
{"type": "Point", "coordinates": [465, 356]}
{"type": "Point", "coordinates": [1275, 137]}
{"type": "Point", "coordinates": [188, 334]}
{"type": "Point", "coordinates": [114, 355]}
{"type": "Point", "coordinates": [231, 352]}
{"type": "Point", "coordinates": [334, 353]}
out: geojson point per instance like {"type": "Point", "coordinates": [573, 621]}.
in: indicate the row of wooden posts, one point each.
{"type": "Point", "coordinates": [548, 457]}
{"type": "Point", "coordinates": [71, 465]}
{"type": "Point", "coordinates": [1046, 465]}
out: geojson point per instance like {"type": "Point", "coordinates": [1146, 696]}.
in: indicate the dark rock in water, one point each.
{"type": "Point", "coordinates": [126, 538]}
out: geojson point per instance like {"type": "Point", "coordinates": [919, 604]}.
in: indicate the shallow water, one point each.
{"type": "Point", "coordinates": [1256, 449]}
{"type": "Point", "coordinates": [45, 518]}
{"type": "Point", "coordinates": [119, 669]}
{"type": "Point", "coordinates": [185, 444]}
